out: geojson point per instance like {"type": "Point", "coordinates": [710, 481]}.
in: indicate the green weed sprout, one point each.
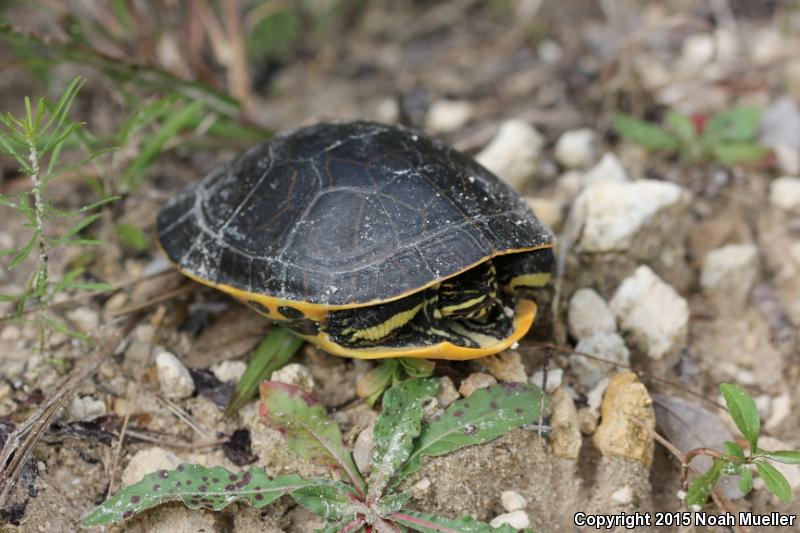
{"type": "Point", "coordinates": [36, 141]}
{"type": "Point", "coordinates": [727, 137]}
{"type": "Point", "coordinates": [402, 440]}
{"type": "Point", "coordinates": [734, 461]}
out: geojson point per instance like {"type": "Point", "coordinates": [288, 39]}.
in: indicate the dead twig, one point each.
{"type": "Point", "coordinates": [21, 442]}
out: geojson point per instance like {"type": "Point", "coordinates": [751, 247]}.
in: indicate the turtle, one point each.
{"type": "Point", "coordinates": [369, 240]}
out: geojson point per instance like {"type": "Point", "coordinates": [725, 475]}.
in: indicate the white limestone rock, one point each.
{"type": "Point", "coordinates": [174, 379]}
{"type": "Point", "coordinates": [729, 274]}
{"type": "Point", "coordinates": [513, 153]}
{"type": "Point", "coordinates": [654, 317]}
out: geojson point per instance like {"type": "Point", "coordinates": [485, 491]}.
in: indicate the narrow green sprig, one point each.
{"type": "Point", "coordinates": [36, 141]}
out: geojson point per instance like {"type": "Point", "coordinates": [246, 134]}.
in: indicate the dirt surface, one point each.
{"type": "Point", "coordinates": [558, 67]}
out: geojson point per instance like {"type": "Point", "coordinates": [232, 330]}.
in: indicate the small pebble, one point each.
{"type": "Point", "coordinates": [784, 193]}
{"type": "Point", "coordinates": [653, 315]}
{"type": "Point", "coordinates": [229, 371]}
{"type": "Point", "coordinates": [513, 153]}
{"type": "Point", "coordinates": [295, 374]}
{"type": "Point", "coordinates": [85, 408]}
{"type": "Point", "coordinates": [554, 378]}
{"type": "Point", "coordinates": [589, 313]}
{"type": "Point", "coordinates": [512, 501]}
{"type": "Point", "coordinates": [475, 381]}
{"type": "Point", "coordinates": [608, 168]}
{"type": "Point", "coordinates": [506, 366]}
{"type": "Point", "coordinates": [174, 379]}
{"type": "Point", "coordinates": [447, 392]}
{"type": "Point", "coordinates": [729, 274]}
{"type": "Point", "coordinates": [146, 461]}
{"type": "Point", "coordinates": [517, 520]}
{"type": "Point", "coordinates": [448, 115]}
{"type": "Point", "coordinates": [576, 148]}
{"type": "Point", "coordinates": [622, 496]}
{"type": "Point", "coordinates": [364, 448]}
{"type": "Point", "coordinates": [549, 210]}
{"type": "Point", "coordinates": [608, 346]}
{"type": "Point", "coordinates": [85, 319]}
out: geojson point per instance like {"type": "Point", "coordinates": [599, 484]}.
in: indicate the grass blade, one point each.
{"type": "Point", "coordinates": [156, 144]}
{"type": "Point", "coordinates": [278, 346]}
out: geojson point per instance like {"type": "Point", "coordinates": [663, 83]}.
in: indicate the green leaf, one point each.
{"type": "Point", "coordinates": [376, 380]}
{"type": "Point", "coordinates": [746, 481]}
{"type": "Point", "coordinates": [331, 500]}
{"type": "Point", "coordinates": [132, 237]}
{"type": "Point", "coordinates": [79, 226]}
{"type": "Point", "coordinates": [416, 367]}
{"type": "Point", "coordinates": [735, 125]}
{"type": "Point", "coordinates": [59, 114]}
{"type": "Point", "coordinates": [156, 144]}
{"type": "Point", "coordinates": [66, 330]}
{"type": "Point", "coordinates": [425, 523]}
{"type": "Point", "coordinates": [739, 153]}
{"type": "Point", "coordinates": [197, 487]}
{"type": "Point", "coordinates": [681, 126]}
{"type": "Point", "coordinates": [644, 133]}
{"type": "Point", "coordinates": [146, 115]}
{"type": "Point", "coordinates": [701, 487]}
{"type": "Point", "coordinates": [67, 280]}
{"type": "Point", "coordinates": [734, 450]}
{"type": "Point", "coordinates": [744, 413]}
{"type": "Point", "coordinates": [789, 457]}
{"type": "Point", "coordinates": [485, 415]}
{"type": "Point", "coordinates": [399, 424]}
{"type": "Point", "coordinates": [279, 345]}
{"type": "Point", "coordinates": [309, 433]}
{"type": "Point", "coordinates": [23, 253]}
{"type": "Point", "coordinates": [774, 480]}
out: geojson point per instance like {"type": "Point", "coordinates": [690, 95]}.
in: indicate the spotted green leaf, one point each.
{"type": "Point", "coordinates": [331, 500]}
{"type": "Point", "coordinates": [309, 433]}
{"type": "Point", "coordinates": [197, 487]}
{"type": "Point", "coordinates": [701, 487]}
{"type": "Point", "coordinates": [397, 427]}
{"type": "Point", "coordinates": [485, 415]}
{"type": "Point", "coordinates": [775, 481]}
{"type": "Point", "coordinates": [433, 524]}
{"type": "Point", "coordinates": [743, 411]}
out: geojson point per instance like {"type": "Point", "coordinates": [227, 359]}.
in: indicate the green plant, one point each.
{"type": "Point", "coordinates": [36, 141]}
{"type": "Point", "coordinates": [402, 440]}
{"type": "Point", "coordinates": [390, 372]}
{"type": "Point", "coordinates": [727, 137]}
{"type": "Point", "coordinates": [734, 461]}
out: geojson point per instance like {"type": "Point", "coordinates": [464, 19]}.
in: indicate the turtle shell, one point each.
{"type": "Point", "coordinates": [344, 214]}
